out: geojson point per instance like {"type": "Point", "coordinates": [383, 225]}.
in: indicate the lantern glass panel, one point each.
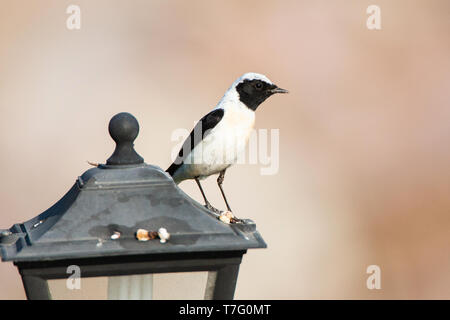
{"type": "Point", "coordinates": [158, 286]}
{"type": "Point", "coordinates": [90, 288]}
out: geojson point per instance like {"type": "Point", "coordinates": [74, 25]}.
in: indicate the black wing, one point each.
{"type": "Point", "coordinates": [206, 123]}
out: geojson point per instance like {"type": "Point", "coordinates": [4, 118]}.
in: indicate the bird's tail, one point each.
{"type": "Point", "coordinates": [171, 170]}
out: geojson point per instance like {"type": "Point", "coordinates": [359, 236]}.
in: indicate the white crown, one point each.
{"type": "Point", "coordinates": [251, 76]}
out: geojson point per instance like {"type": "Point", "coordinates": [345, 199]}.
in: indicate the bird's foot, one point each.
{"type": "Point", "coordinates": [224, 216]}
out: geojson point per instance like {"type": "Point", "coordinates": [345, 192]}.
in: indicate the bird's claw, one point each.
{"type": "Point", "coordinates": [236, 220]}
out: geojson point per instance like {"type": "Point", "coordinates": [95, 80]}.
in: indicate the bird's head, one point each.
{"type": "Point", "coordinates": [253, 89]}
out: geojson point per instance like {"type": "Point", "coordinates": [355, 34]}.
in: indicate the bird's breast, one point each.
{"type": "Point", "coordinates": [239, 121]}
{"type": "Point", "coordinates": [225, 143]}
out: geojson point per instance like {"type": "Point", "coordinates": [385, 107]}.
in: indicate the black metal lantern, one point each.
{"type": "Point", "coordinates": [94, 227]}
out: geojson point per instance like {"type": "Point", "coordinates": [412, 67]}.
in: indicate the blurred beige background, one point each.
{"type": "Point", "coordinates": [364, 173]}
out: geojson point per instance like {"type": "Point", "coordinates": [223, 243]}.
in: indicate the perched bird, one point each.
{"type": "Point", "coordinates": [220, 136]}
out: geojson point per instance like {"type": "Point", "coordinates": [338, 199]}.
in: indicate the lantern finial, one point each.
{"type": "Point", "coordinates": [124, 128]}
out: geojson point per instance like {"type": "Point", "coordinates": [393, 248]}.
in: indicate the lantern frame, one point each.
{"type": "Point", "coordinates": [118, 198]}
{"type": "Point", "coordinates": [35, 275]}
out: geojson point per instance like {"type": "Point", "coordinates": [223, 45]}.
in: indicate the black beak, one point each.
{"type": "Point", "coordinates": [278, 90]}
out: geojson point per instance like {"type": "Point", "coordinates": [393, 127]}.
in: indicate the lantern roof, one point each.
{"type": "Point", "coordinates": [100, 215]}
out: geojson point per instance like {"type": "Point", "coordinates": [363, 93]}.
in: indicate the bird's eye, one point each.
{"type": "Point", "coordinates": [258, 85]}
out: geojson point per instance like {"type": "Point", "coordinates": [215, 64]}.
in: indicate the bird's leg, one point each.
{"type": "Point", "coordinates": [219, 183]}
{"type": "Point", "coordinates": [207, 204]}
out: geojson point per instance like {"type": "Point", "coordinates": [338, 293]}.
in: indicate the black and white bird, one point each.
{"type": "Point", "coordinates": [222, 135]}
